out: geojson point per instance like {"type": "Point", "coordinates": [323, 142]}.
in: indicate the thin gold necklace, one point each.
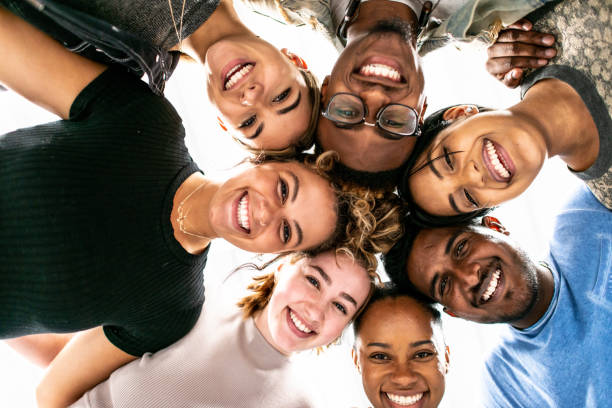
{"type": "Point", "coordinates": [179, 30]}
{"type": "Point", "coordinates": [182, 216]}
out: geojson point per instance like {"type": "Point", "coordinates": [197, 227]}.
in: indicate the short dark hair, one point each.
{"type": "Point", "coordinates": [390, 291]}
{"type": "Point", "coordinates": [433, 125]}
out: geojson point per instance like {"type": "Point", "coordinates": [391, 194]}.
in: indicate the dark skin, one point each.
{"type": "Point", "coordinates": [516, 49]}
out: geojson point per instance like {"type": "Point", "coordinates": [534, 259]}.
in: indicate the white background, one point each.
{"type": "Point", "coordinates": [452, 76]}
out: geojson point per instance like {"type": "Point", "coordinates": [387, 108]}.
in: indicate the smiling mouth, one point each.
{"type": "Point", "coordinates": [303, 329]}
{"type": "Point", "coordinates": [238, 72]}
{"type": "Point", "coordinates": [497, 161]}
{"type": "Point", "coordinates": [490, 286]}
{"type": "Point", "coordinates": [404, 400]}
{"type": "Point", "coordinates": [380, 71]}
{"type": "Point", "coordinates": [242, 213]}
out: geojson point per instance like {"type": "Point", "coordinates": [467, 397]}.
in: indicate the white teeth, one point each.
{"type": "Point", "coordinates": [298, 323]}
{"type": "Point", "coordinates": [405, 400]}
{"type": "Point", "coordinates": [242, 214]}
{"type": "Point", "coordinates": [492, 286]}
{"type": "Point", "coordinates": [236, 74]}
{"type": "Point", "coordinates": [496, 161]}
{"type": "Point", "coordinates": [380, 70]}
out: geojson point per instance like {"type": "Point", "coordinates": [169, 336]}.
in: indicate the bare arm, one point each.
{"type": "Point", "coordinates": [40, 349]}
{"type": "Point", "coordinates": [88, 359]}
{"type": "Point", "coordinates": [39, 68]}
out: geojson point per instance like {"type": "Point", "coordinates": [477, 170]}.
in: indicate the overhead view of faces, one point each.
{"type": "Point", "coordinates": [336, 203]}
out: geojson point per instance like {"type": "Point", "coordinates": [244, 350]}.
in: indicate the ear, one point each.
{"type": "Point", "coordinates": [460, 111]}
{"type": "Point", "coordinates": [355, 359]}
{"type": "Point", "coordinates": [494, 224]}
{"type": "Point", "coordinates": [324, 87]}
{"type": "Point", "coordinates": [296, 59]}
{"type": "Point", "coordinates": [446, 359]}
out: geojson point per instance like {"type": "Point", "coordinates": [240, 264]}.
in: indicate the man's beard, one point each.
{"type": "Point", "coordinates": [397, 26]}
{"type": "Point", "coordinates": [528, 295]}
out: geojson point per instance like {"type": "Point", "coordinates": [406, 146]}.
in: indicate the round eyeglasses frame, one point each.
{"type": "Point", "coordinates": [386, 133]}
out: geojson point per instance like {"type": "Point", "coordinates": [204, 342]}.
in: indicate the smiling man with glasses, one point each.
{"type": "Point", "coordinates": [373, 102]}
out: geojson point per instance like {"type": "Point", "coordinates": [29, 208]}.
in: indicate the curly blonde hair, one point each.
{"type": "Point", "coordinates": [305, 141]}
{"type": "Point", "coordinates": [369, 222]}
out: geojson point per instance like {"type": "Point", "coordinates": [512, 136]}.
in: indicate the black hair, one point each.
{"type": "Point", "coordinates": [434, 124]}
{"type": "Point", "coordinates": [390, 291]}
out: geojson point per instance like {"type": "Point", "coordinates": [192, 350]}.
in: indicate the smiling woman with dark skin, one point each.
{"type": "Point", "coordinates": [399, 350]}
{"type": "Point", "coordinates": [477, 159]}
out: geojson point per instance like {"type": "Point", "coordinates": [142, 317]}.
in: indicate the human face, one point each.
{"type": "Point", "coordinates": [477, 273]}
{"type": "Point", "coordinates": [313, 301]}
{"type": "Point", "coordinates": [269, 208]}
{"type": "Point", "coordinates": [400, 352]}
{"type": "Point", "coordinates": [260, 94]}
{"type": "Point", "coordinates": [381, 68]}
{"type": "Point", "coordinates": [477, 162]}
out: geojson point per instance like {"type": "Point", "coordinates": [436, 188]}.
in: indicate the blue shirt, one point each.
{"type": "Point", "coordinates": [564, 360]}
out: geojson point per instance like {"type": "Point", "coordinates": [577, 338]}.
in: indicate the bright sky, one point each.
{"type": "Point", "coordinates": [452, 76]}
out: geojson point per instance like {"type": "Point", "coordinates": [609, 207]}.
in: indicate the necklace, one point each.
{"type": "Point", "coordinates": [179, 30]}
{"type": "Point", "coordinates": [180, 219]}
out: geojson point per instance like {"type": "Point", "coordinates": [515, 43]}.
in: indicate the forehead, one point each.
{"type": "Point", "coordinates": [396, 319]}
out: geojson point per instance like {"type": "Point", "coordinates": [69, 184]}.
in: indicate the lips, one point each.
{"type": "Point", "coordinates": [242, 213]}
{"type": "Point", "coordinates": [298, 326]}
{"type": "Point", "coordinates": [497, 161]}
{"type": "Point", "coordinates": [381, 70]}
{"type": "Point", "coordinates": [236, 72]}
{"type": "Point", "coordinates": [490, 287]}
{"type": "Point", "coordinates": [404, 399]}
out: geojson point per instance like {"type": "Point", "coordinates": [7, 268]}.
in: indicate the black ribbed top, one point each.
{"type": "Point", "coordinates": [85, 233]}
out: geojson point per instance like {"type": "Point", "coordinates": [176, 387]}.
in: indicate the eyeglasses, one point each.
{"type": "Point", "coordinates": [396, 120]}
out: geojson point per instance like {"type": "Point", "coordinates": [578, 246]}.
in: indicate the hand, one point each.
{"type": "Point", "coordinates": [516, 48]}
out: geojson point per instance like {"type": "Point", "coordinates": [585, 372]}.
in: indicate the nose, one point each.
{"type": "Point", "coordinates": [250, 94]}
{"type": "Point", "coordinates": [266, 212]}
{"type": "Point", "coordinates": [468, 275]}
{"type": "Point", "coordinates": [473, 174]}
{"type": "Point", "coordinates": [404, 375]}
{"type": "Point", "coordinates": [314, 313]}
{"type": "Point", "coordinates": [375, 98]}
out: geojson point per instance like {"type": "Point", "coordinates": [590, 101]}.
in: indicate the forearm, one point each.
{"type": "Point", "coordinates": [40, 349]}
{"type": "Point", "coordinates": [39, 68]}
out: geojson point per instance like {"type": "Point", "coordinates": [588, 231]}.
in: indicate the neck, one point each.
{"type": "Point", "coordinates": [189, 216]}
{"type": "Point", "coordinates": [261, 322]}
{"type": "Point", "coordinates": [221, 24]}
{"type": "Point", "coordinates": [564, 122]}
{"type": "Point", "coordinates": [546, 288]}
{"type": "Point", "coordinates": [372, 12]}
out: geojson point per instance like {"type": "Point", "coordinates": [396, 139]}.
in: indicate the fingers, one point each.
{"type": "Point", "coordinates": [512, 78]}
{"type": "Point", "coordinates": [519, 49]}
{"type": "Point", "coordinates": [511, 35]}
{"type": "Point", "coordinates": [522, 24]}
{"type": "Point", "coordinates": [503, 65]}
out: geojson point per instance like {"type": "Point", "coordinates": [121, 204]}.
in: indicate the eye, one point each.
{"type": "Point", "coordinates": [285, 232]}
{"type": "Point", "coordinates": [447, 158]}
{"type": "Point", "coordinates": [340, 307]}
{"type": "Point", "coordinates": [283, 190]}
{"type": "Point", "coordinates": [471, 199]}
{"type": "Point", "coordinates": [247, 123]}
{"type": "Point", "coordinates": [313, 281]}
{"type": "Point", "coordinates": [459, 249]}
{"type": "Point", "coordinates": [444, 281]}
{"type": "Point", "coordinates": [379, 356]}
{"type": "Point", "coordinates": [423, 355]}
{"type": "Point", "coordinates": [282, 96]}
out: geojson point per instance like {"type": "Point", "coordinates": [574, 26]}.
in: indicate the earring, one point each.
{"type": "Point", "coordinates": [221, 124]}
{"type": "Point", "coordinates": [448, 312]}
{"type": "Point", "coordinates": [494, 224]}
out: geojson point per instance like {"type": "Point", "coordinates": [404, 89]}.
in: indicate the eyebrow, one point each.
{"type": "Point", "coordinates": [453, 204]}
{"type": "Point", "coordinates": [292, 106]}
{"type": "Point", "coordinates": [257, 132]}
{"type": "Point", "coordinates": [324, 275]}
{"type": "Point", "coordinates": [299, 234]}
{"type": "Point", "coordinates": [349, 298]}
{"type": "Point", "coordinates": [296, 185]}
{"type": "Point", "coordinates": [430, 161]}
{"type": "Point", "coordinates": [381, 345]}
